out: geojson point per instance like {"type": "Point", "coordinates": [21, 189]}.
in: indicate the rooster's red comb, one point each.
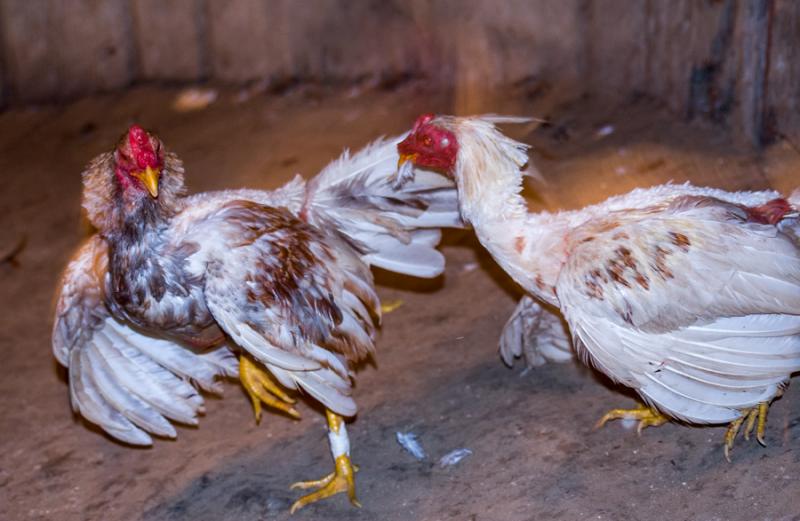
{"type": "Point", "coordinates": [422, 120]}
{"type": "Point", "coordinates": [141, 148]}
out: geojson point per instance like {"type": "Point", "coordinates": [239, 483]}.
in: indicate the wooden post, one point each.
{"type": "Point", "coordinates": [171, 40]}
{"type": "Point", "coordinates": [755, 42]}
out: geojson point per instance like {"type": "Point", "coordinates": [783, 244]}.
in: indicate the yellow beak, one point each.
{"type": "Point", "coordinates": [149, 178]}
{"type": "Point", "coordinates": [404, 158]}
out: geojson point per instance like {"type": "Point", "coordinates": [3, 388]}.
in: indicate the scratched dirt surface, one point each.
{"type": "Point", "coordinates": [535, 454]}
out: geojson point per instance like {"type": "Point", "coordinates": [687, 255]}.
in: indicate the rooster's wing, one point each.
{"type": "Point", "coordinates": [394, 229]}
{"type": "Point", "coordinates": [695, 305]}
{"type": "Point", "coordinates": [296, 300]}
{"type": "Point", "coordinates": [124, 381]}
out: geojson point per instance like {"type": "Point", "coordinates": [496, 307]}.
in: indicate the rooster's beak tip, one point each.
{"type": "Point", "coordinates": [404, 158]}
{"type": "Point", "coordinates": [149, 178]}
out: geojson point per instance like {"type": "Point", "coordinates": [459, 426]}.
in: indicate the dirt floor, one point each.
{"type": "Point", "coordinates": [535, 454]}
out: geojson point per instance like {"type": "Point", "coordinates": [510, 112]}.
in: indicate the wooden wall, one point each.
{"type": "Point", "coordinates": [730, 61]}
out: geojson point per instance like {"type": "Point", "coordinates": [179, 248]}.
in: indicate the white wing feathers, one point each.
{"type": "Point", "coordinates": [354, 196]}
{"type": "Point", "coordinates": [701, 374]}
{"type": "Point", "coordinates": [330, 387]}
{"type": "Point", "coordinates": [126, 382]}
{"type": "Point", "coordinates": [294, 298]}
{"type": "Point", "coordinates": [418, 256]}
{"type": "Point", "coordinates": [695, 307]}
{"type": "Point", "coordinates": [663, 272]}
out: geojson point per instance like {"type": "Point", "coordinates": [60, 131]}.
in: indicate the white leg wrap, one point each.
{"type": "Point", "coordinates": [340, 443]}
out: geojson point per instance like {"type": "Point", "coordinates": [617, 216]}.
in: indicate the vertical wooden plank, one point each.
{"type": "Point", "coordinates": [783, 74]}
{"type": "Point", "coordinates": [754, 42]}
{"type": "Point", "coordinates": [238, 39]}
{"type": "Point", "coordinates": [692, 56]}
{"type": "Point", "coordinates": [480, 46]}
{"type": "Point", "coordinates": [321, 40]}
{"type": "Point", "coordinates": [616, 47]}
{"type": "Point", "coordinates": [332, 40]}
{"type": "Point", "coordinates": [3, 67]}
{"type": "Point", "coordinates": [29, 52]}
{"type": "Point", "coordinates": [709, 59]}
{"type": "Point", "coordinates": [57, 49]}
{"type": "Point", "coordinates": [169, 39]}
{"type": "Point", "coordinates": [93, 44]}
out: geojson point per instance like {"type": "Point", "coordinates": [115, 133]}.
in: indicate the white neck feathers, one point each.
{"type": "Point", "coordinates": [489, 173]}
{"type": "Point", "coordinates": [489, 177]}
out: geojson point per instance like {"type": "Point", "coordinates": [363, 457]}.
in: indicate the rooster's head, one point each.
{"type": "Point", "coordinates": [139, 159]}
{"type": "Point", "coordinates": [482, 161]}
{"type": "Point", "coordinates": [139, 177]}
{"type": "Point", "coordinates": [430, 145]}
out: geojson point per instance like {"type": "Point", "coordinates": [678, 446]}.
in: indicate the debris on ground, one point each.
{"type": "Point", "coordinates": [410, 442]}
{"type": "Point", "coordinates": [194, 98]}
{"type": "Point", "coordinates": [391, 305]}
{"type": "Point", "coordinates": [9, 255]}
{"type": "Point", "coordinates": [605, 130]}
{"type": "Point", "coordinates": [454, 457]}
{"type": "Point", "coordinates": [468, 267]}
{"type": "Point", "coordinates": [251, 91]}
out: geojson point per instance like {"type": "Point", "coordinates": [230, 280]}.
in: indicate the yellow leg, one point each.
{"type": "Point", "coordinates": [260, 387]}
{"type": "Point", "coordinates": [392, 305]}
{"type": "Point", "coordinates": [647, 417]}
{"type": "Point", "coordinates": [342, 479]}
{"type": "Point", "coordinates": [756, 417]}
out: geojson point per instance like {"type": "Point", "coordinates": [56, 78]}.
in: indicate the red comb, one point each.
{"type": "Point", "coordinates": [141, 149]}
{"type": "Point", "coordinates": [422, 120]}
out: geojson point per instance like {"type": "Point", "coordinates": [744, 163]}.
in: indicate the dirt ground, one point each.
{"type": "Point", "coordinates": [535, 454]}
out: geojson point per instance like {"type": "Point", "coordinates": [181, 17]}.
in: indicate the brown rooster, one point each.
{"type": "Point", "coordinates": [158, 300]}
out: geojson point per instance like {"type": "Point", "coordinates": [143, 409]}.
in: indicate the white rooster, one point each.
{"type": "Point", "coordinates": [150, 304]}
{"type": "Point", "coordinates": [689, 295]}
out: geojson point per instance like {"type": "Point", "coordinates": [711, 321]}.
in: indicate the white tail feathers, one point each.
{"type": "Point", "coordinates": [794, 199]}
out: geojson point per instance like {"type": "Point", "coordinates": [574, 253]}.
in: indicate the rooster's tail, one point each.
{"type": "Point", "coordinates": [394, 229]}
{"type": "Point", "coordinates": [790, 224]}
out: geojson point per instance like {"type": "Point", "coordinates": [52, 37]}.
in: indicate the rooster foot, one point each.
{"type": "Point", "coordinates": [647, 417]}
{"type": "Point", "coordinates": [755, 417]}
{"type": "Point", "coordinates": [342, 479]}
{"type": "Point", "coordinates": [261, 388]}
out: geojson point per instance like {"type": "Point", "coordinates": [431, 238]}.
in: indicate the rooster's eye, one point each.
{"type": "Point", "coordinates": [427, 141]}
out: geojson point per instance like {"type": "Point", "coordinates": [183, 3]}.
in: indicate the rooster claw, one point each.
{"type": "Point", "coordinates": [340, 480]}
{"type": "Point", "coordinates": [647, 417]}
{"type": "Point", "coordinates": [752, 415]}
{"type": "Point", "coordinates": [260, 388]}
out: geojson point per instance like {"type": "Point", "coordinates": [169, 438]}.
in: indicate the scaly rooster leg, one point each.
{"type": "Point", "coordinates": [756, 417]}
{"type": "Point", "coordinates": [647, 417]}
{"type": "Point", "coordinates": [260, 387]}
{"type": "Point", "coordinates": [342, 478]}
